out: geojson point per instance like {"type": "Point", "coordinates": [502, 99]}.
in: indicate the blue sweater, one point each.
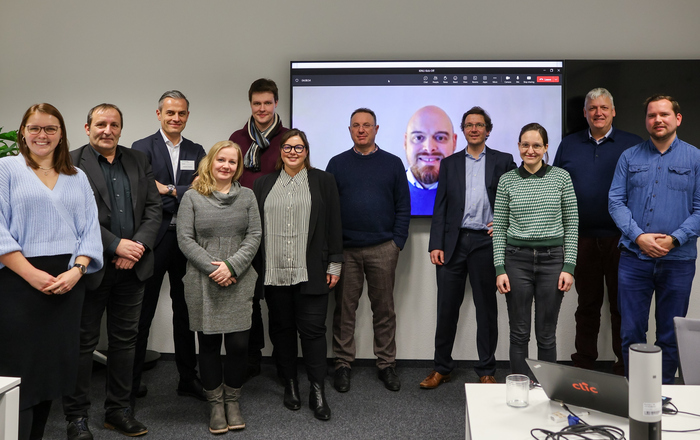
{"type": "Point", "coordinates": [375, 205]}
{"type": "Point", "coordinates": [31, 223]}
{"type": "Point", "coordinates": [591, 168]}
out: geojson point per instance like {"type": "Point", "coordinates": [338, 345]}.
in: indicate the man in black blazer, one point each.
{"type": "Point", "coordinates": [174, 161]}
{"type": "Point", "coordinates": [461, 246]}
{"type": "Point", "coordinates": [129, 211]}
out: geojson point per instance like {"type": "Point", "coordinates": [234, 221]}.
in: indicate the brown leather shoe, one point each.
{"type": "Point", "coordinates": [487, 379]}
{"type": "Point", "coordinates": [434, 380]}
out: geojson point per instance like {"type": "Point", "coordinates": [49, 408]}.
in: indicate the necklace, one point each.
{"type": "Point", "coordinates": [46, 170]}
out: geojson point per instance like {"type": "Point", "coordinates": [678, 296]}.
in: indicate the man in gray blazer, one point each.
{"type": "Point", "coordinates": [129, 212]}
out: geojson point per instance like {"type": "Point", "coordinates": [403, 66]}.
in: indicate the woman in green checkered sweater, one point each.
{"type": "Point", "coordinates": [535, 232]}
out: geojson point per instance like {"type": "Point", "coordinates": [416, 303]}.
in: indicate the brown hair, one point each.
{"type": "Point", "coordinates": [534, 126]}
{"type": "Point", "coordinates": [476, 110]}
{"type": "Point", "coordinates": [61, 158]}
{"type": "Point", "coordinates": [660, 97]}
{"type": "Point", "coordinates": [263, 85]}
{"type": "Point", "coordinates": [103, 107]}
{"type": "Point", "coordinates": [285, 137]}
{"type": "Point", "coordinates": [364, 110]}
{"type": "Point", "coordinates": [206, 184]}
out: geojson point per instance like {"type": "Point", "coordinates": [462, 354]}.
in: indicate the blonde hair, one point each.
{"type": "Point", "coordinates": [206, 184]}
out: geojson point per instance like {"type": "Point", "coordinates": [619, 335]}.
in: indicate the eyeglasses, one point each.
{"type": "Point", "coordinates": [525, 146]}
{"type": "Point", "coordinates": [364, 126]}
{"type": "Point", "coordinates": [36, 129]}
{"type": "Point", "coordinates": [471, 126]}
{"type": "Point", "coordinates": [297, 148]}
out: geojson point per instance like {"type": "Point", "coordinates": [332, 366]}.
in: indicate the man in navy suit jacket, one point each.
{"type": "Point", "coordinates": [461, 245]}
{"type": "Point", "coordinates": [174, 161]}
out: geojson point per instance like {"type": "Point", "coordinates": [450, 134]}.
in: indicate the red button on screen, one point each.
{"type": "Point", "coordinates": [547, 79]}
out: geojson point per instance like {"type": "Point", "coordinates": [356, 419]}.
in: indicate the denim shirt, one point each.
{"type": "Point", "coordinates": [658, 193]}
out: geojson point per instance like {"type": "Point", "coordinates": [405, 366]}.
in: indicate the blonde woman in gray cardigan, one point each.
{"type": "Point", "coordinates": [218, 230]}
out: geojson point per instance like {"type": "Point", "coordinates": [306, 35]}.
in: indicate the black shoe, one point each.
{"type": "Point", "coordinates": [317, 402]}
{"type": "Point", "coordinates": [291, 394]}
{"type": "Point", "coordinates": [78, 429]}
{"type": "Point", "coordinates": [142, 391]}
{"type": "Point", "coordinates": [192, 388]}
{"type": "Point", "coordinates": [252, 370]}
{"type": "Point", "coordinates": [341, 380]}
{"type": "Point", "coordinates": [390, 378]}
{"type": "Point", "coordinates": [123, 421]}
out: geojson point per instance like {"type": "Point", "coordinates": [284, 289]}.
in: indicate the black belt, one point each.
{"type": "Point", "coordinates": [474, 231]}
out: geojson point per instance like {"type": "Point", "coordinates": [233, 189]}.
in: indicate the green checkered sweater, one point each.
{"type": "Point", "coordinates": [535, 212]}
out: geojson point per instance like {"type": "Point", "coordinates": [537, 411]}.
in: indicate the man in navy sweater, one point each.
{"type": "Point", "coordinates": [590, 157]}
{"type": "Point", "coordinates": [375, 210]}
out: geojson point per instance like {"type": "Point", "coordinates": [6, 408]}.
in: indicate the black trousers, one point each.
{"type": "Point", "coordinates": [256, 338]}
{"type": "Point", "coordinates": [473, 257]}
{"type": "Point", "coordinates": [168, 258]}
{"type": "Point", "coordinates": [292, 313]}
{"type": "Point", "coordinates": [121, 294]}
{"type": "Point", "coordinates": [234, 364]}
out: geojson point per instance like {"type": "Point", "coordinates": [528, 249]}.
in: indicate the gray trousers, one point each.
{"type": "Point", "coordinates": [378, 265]}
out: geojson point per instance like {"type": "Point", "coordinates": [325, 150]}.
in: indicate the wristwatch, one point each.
{"type": "Point", "coordinates": [81, 268]}
{"type": "Point", "coordinates": [675, 242]}
{"type": "Point", "coordinates": [171, 188]}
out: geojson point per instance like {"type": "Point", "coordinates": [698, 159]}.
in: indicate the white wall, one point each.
{"type": "Point", "coordinates": [78, 53]}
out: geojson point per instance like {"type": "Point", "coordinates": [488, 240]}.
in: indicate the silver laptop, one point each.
{"type": "Point", "coordinates": [688, 337]}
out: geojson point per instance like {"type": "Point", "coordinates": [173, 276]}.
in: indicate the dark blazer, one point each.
{"type": "Point", "coordinates": [145, 200]}
{"type": "Point", "coordinates": [325, 230]}
{"type": "Point", "coordinates": [157, 152]}
{"type": "Point", "coordinates": [448, 211]}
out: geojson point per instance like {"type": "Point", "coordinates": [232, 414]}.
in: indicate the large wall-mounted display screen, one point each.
{"type": "Point", "coordinates": [514, 93]}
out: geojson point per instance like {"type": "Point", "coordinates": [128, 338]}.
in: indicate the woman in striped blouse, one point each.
{"type": "Point", "coordinates": [302, 252]}
{"type": "Point", "coordinates": [535, 233]}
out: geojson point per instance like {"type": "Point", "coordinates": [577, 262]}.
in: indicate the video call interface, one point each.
{"type": "Point", "coordinates": [514, 93]}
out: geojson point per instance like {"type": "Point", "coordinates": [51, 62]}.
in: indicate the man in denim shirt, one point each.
{"type": "Point", "coordinates": [655, 202]}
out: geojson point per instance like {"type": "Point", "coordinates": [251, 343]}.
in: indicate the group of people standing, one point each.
{"type": "Point", "coordinates": [614, 211]}
{"type": "Point", "coordinates": [252, 219]}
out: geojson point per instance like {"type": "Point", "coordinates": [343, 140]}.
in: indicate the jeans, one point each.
{"type": "Point", "coordinates": [473, 256]}
{"type": "Point", "coordinates": [533, 274]}
{"type": "Point", "coordinates": [638, 280]}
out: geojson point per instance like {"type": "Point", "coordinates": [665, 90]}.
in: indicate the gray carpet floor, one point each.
{"type": "Point", "coordinates": [367, 411]}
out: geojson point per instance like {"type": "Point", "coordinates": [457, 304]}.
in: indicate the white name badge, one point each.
{"type": "Point", "coordinates": [186, 165]}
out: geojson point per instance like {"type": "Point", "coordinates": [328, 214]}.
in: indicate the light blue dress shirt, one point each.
{"type": "Point", "coordinates": [477, 209]}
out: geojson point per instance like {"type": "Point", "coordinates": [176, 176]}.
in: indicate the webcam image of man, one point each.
{"type": "Point", "coordinates": [429, 138]}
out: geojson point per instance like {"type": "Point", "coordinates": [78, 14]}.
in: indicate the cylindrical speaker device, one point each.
{"type": "Point", "coordinates": [645, 392]}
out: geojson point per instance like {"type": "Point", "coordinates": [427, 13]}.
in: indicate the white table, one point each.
{"type": "Point", "coordinates": [9, 408]}
{"type": "Point", "coordinates": [488, 417]}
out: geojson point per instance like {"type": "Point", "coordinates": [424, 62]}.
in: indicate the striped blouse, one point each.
{"type": "Point", "coordinates": [287, 214]}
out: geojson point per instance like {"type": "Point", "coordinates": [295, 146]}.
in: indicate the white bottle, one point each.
{"type": "Point", "coordinates": [645, 406]}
